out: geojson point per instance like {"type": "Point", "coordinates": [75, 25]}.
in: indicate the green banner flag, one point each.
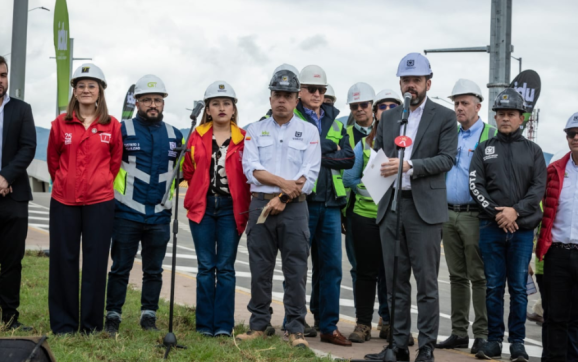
{"type": "Point", "coordinates": [62, 49]}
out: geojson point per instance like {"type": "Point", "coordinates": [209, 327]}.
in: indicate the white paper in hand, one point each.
{"type": "Point", "coordinates": [376, 184]}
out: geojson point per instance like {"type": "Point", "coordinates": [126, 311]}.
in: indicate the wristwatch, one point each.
{"type": "Point", "coordinates": [284, 198]}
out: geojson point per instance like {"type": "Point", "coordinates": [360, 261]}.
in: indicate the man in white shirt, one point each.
{"type": "Point", "coordinates": [281, 161]}
{"type": "Point", "coordinates": [558, 243]}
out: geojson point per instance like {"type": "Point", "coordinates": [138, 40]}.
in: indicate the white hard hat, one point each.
{"type": "Point", "coordinates": [220, 89]}
{"type": "Point", "coordinates": [387, 94]}
{"type": "Point", "coordinates": [466, 86]}
{"type": "Point", "coordinates": [330, 93]}
{"type": "Point", "coordinates": [150, 84]}
{"type": "Point", "coordinates": [572, 121]}
{"type": "Point", "coordinates": [360, 92]}
{"type": "Point", "coordinates": [90, 71]}
{"type": "Point", "coordinates": [414, 64]}
{"type": "Point", "coordinates": [288, 67]}
{"type": "Point", "coordinates": [313, 75]}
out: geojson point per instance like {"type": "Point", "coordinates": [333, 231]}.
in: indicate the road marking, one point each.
{"type": "Point", "coordinates": [37, 218]}
{"type": "Point", "coordinates": [532, 351]}
{"type": "Point", "coordinates": [41, 226]}
{"type": "Point", "coordinates": [39, 212]}
{"type": "Point", "coordinates": [32, 204]}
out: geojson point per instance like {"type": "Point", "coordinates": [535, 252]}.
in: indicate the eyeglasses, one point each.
{"type": "Point", "coordinates": [149, 101]}
{"type": "Point", "coordinates": [312, 89]}
{"type": "Point", "coordinates": [90, 87]}
{"type": "Point", "coordinates": [355, 106]}
{"type": "Point", "coordinates": [384, 106]}
{"type": "Point", "coordinates": [571, 134]}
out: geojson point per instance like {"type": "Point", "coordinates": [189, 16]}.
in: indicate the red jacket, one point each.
{"type": "Point", "coordinates": [196, 172]}
{"type": "Point", "coordinates": [83, 163]}
{"type": "Point", "coordinates": [550, 203]}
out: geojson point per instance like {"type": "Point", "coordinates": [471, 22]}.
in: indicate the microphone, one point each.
{"type": "Point", "coordinates": [406, 101]}
{"type": "Point", "coordinates": [199, 105]}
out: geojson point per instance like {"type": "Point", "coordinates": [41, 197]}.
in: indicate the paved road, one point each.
{"type": "Point", "coordinates": [187, 263]}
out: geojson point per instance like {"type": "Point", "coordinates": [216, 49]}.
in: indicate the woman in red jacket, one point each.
{"type": "Point", "coordinates": [84, 156]}
{"type": "Point", "coordinates": [217, 201]}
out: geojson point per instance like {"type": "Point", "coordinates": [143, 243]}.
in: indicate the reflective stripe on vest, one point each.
{"type": "Point", "coordinates": [364, 204]}
{"type": "Point", "coordinates": [351, 136]}
{"type": "Point", "coordinates": [124, 181]}
{"type": "Point", "coordinates": [334, 134]}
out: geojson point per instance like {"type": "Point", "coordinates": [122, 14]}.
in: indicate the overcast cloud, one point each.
{"type": "Point", "coordinates": [190, 44]}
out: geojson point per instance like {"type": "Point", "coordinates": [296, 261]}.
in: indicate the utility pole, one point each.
{"type": "Point", "coordinates": [500, 50]}
{"type": "Point", "coordinates": [19, 33]}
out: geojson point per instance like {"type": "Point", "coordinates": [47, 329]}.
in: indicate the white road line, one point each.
{"type": "Point", "coordinates": [37, 218]}
{"type": "Point", "coordinates": [32, 204]}
{"type": "Point", "coordinates": [532, 351]}
{"type": "Point", "coordinates": [40, 226]}
{"type": "Point", "coordinates": [38, 212]}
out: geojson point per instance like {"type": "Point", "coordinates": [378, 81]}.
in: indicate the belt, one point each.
{"type": "Point", "coordinates": [263, 196]}
{"type": "Point", "coordinates": [565, 246]}
{"type": "Point", "coordinates": [463, 208]}
{"type": "Point", "coordinates": [406, 194]}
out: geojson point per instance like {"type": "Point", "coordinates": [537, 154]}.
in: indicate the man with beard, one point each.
{"type": "Point", "coordinates": [17, 147]}
{"type": "Point", "coordinates": [423, 205]}
{"type": "Point", "coordinates": [149, 156]}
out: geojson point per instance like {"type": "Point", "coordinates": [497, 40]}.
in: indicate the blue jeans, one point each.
{"type": "Point", "coordinates": [125, 239]}
{"type": "Point", "coordinates": [216, 241]}
{"type": "Point", "coordinates": [506, 256]}
{"type": "Point", "coordinates": [325, 229]}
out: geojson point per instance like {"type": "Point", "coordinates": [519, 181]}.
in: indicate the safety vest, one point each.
{"type": "Point", "coordinates": [334, 134]}
{"type": "Point", "coordinates": [364, 204]}
{"type": "Point", "coordinates": [141, 201]}
{"type": "Point", "coordinates": [486, 132]}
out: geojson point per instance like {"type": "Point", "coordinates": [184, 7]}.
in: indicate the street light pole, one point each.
{"type": "Point", "coordinates": [519, 63]}
{"type": "Point", "coordinates": [19, 33]}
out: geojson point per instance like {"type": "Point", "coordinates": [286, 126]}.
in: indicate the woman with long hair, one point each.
{"type": "Point", "coordinates": [366, 238]}
{"type": "Point", "coordinates": [217, 201]}
{"type": "Point", "coordinates": [84, 155]}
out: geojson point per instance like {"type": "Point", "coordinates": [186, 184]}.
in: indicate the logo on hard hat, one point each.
{"type": "Point", "coordinates": [575, 118]}
{"type": "Point", "coordinates": [285, 78]}
{"type": "Point", "coordinates": [505, 96]}
{"type": "Point", "coordinates": [356, 95]}
{"type": "Point", "coordinates": [221, 86]}
{"type": "Point", "coordinates": [316, 75]}
{"type": "Point", "coordinates": [85, 69]}
{"type": "Point", "coordinates": [151, 84]}
{"type": "Point", "coordinates": [410, 62]}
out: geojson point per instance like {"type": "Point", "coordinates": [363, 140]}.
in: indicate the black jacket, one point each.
{"type": "Point", "coordinates": [331, 158]}
{"type": "Point", "coordinates": [18, 147]}
{"type": "Point", "coordinates": [509, 170]}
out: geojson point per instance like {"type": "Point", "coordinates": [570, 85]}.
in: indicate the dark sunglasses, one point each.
{"type": "Point", "coordinates": [571, 134]}
{"type": "Point", "coordinates": [384, 106]}
{"type": "Point", "coordinates": [312, 89]}
{"type": "Point", "coordinates": [355, 106]}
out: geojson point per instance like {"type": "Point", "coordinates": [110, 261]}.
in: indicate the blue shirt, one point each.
{"type": "Point", "coordinates": [457, 180]}
{"type": "Point", "coordinates": [6, 100]}
{"type": "Point", "coordinates": [352, 177]}
{"type": "Point", "coordinates": [289, 151]}
{"type": "Point", "coordinates": [314, 117]}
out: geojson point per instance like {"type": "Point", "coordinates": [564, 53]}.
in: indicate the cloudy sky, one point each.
{"type": "Point", "coordinates": [190, 44]}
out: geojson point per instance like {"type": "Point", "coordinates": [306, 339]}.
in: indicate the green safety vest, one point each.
{"type": "Point", "coordinates": [334, 134]}
{"type": "Point", "coordinates": [364, 204]}
{"type": "Point", "coordinates": [485, 132]}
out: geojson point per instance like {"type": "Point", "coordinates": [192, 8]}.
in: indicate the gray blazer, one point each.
{"type": "Point", "coordinates": [434, 154]}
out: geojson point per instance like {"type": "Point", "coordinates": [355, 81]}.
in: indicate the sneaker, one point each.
{"type": "Point", "coordinates": [111, 326]}
{"type": "Point", "coordinates": [518, 352]}
{"type": "Point", "coordinates": [269, 330]}
{"type": "Point", "coordinates": [492, 349]}
{"type": "Point", "coordinates": [249, 336]}
{"type": "Point", "coordinates": [384, 332]}
{"type": "Point", "coordinates": [298, 340]}
{"type": "Point", "coordinates": [361, 334]}
{"type": "Point", "coordinates": [148, 323]}
{"type": "Point", "coordinates": [309, 331]}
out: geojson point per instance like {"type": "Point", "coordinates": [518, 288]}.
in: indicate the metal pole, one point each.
{"type": "Point", "coordinates": [18, 54]}
{"type": "Point", "coordinates": [500, 50]}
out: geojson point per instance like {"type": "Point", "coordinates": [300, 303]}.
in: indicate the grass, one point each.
{"type": "Point", "coordinates": [134, 344]}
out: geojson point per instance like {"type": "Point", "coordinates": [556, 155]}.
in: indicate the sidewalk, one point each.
{"type": "Point", "coordinates": [185, 294]}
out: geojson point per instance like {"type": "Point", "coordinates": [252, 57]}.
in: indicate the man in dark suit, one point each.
{"type": "Point", "coordinates": [17, 147]}
{"type": "Point", "coordinates": [433, 130]}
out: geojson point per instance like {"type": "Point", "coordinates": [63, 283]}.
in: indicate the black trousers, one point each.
{"type": "Point", "coordinates": [13, 231]}
{"type": "Point", "coordinates": [369, 258]}
{"type": "Point", "coordinates": [560, 280]}
{"type": "Point", "coordinates": [68, 224]}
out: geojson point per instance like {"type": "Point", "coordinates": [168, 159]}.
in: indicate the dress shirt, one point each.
{"type": "Point", "coordinates": [314, 116]}
{"type": "Point", "coordinates": [565, 228]}
{"type": "Point", "coordinates": [457, 180]}
{"type": "Point", "coordinates": [290, 151]}
{"type": "Point", "coordinates": [411, 131]}
{"type": "Point", "coordinates": [6, 100]}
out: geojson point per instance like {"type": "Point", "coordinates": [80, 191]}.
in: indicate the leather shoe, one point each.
{"type": "Point", "coordinates": [454, 341]}
{"type": "Point", "coordinates": [479, 343]}
{"type": "Point", "coordinates": [425, 354]}
{"type": "Point", "coordinates": [335, 338]}
{"type": "Point", "coordinates": [17, 325]}
{"type": "Point", "coordinates": [401, 355]}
